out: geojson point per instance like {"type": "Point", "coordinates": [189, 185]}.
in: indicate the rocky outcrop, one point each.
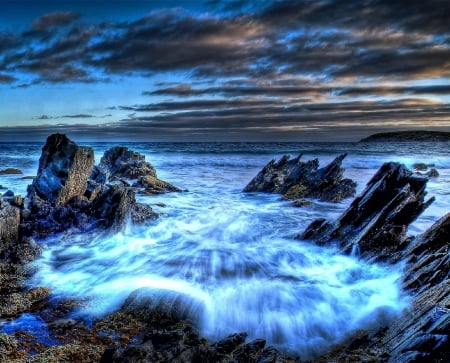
{"type": "Point", "coordinates": [121, 164]}
{"type": "Point", "coordinates": [64, 168]}
{"type": "Point", "coordinates": [376, 221]}
{"type": "Point", "coordinates": [69, 193]}
{"type": "Point", "coordinates": [374, 227]}
{"type": "Point", "coordinates": [295, 180]}
{"type": "Point", "coordinates": [422, 333]}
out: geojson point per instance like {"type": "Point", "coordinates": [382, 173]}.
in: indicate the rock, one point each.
{"type": "Point", "coordinates": [296, 180]}
{"type": "Point", "coordinates": [302, 203]}
{"type": "Point", "coordinates": [116, 203]}
{"type": "Point", "coordinates": [16, 303]}
{"type": "Point", "coordinates": [153, 185]}
{"type": "Point", "coordinates": [422, 333]}
{"type": "Point", "coordinates": [420, 166]}
{"type": "Point", "coordinates": [120, 163]}
{"type": "Point", "coordinates": [64, 168]}
{"type": "Point", "coordinates": [166, 337]}
{"type": "Point", "coordinates": [376, 221]}
{"type": "Point", "coordinates": [9, 230]}
{"type": "Point", "coordinates": [432, 173]}
{"type": "Point", "coordinates": [124, 165]}
{"type": "Point", "coordinates": [8, 171]}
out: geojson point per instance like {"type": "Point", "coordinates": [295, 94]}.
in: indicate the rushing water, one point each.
{"type": "Point", "coordinates": [231, 256]}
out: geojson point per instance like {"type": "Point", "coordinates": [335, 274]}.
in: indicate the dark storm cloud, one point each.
{"type": "Point", "coordinates": [371, 38]}
{"type": "Point", "coordinates": [411, 15]}
{"type": "Point", "coordinates": [59, 18]}
{"type": "Point", "coordinates": [6, 78]}
{"type": "Point", "coordinates": [298, 91]}
{"type": "Point", "coordinates": [174, 40]}
{"type": "Point", "coordinates": [81, 115]}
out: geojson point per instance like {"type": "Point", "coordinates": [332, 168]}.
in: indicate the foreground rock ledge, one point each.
{"type": "Point", "coordinates": [295, 179]}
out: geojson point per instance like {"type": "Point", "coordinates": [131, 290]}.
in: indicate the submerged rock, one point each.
{"type": "Point", "coordinates": [297, 180]}
{"type": "Point", "coordinates": [376, 221]}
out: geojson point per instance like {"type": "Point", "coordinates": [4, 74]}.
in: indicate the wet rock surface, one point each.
{"type": "Point", "coordinates": [295, 179]}
{"type": "Point", "coordinates": [70, 193]}
{"type": "Point", "coordinates": [375, 225]}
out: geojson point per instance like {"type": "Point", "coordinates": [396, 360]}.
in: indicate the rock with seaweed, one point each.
{"type": "Point", "coordinates": [375, 225]}
{"type": "Point", "coordinates": [295, 180]}
{"type": "Point", "coordinates": [166, 335]}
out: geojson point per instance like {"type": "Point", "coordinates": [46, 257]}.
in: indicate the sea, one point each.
{"type": "Point", "coordinates": [232, 258]}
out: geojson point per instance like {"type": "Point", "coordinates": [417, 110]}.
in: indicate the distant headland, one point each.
{"type": "Point", "coordinates": [413, 135]}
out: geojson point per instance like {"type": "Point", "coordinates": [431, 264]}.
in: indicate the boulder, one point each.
{"type": "Point", "coordinates": [376, 221]}
{"type": "Point", "coordinates": [295, 179]}
{"type": "Point", "coordinates": [120, 163]}
{"type": "Point", "coordinates": [116, 204]}
{"type": "Point", "coordinates": [128, 166]}
{"type": "Point", "coordinates": [64, 168]}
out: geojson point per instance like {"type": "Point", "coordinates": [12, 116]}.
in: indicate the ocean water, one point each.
{"type": "Point", "coordinates": [231, 257]}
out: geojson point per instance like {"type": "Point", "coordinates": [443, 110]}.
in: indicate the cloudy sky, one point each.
{"type": "Point", "coordinates": [207, 70]}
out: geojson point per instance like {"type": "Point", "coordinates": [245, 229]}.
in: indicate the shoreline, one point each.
{"type": "Point", "coordinates": [234, 346]}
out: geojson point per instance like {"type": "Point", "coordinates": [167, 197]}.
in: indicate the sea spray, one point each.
{"type": "Point", "coordinates": [229, 260]}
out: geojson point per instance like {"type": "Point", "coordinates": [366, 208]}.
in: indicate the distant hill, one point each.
{"type": "Point", "coordinates": [416, 135]}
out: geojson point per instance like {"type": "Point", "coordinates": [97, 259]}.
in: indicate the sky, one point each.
{"type": "Point", "coordinates": [215, 70]}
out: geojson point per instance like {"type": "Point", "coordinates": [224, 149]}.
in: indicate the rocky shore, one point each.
{"type": "Point", "coordinates": [70, 196]}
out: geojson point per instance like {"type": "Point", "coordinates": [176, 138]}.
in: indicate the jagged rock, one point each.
{"type": "Point", "coordinates": [124, 165]}
{"type": "Point", "coordinates": [120, 163]}
{"type": "Point", "coordinates": [9, 230]}
{"type": "Point", "coordinates": [422, 333]}
{"type": "Point", "coordinates": [296, 180]}
{"type": "Point", "coordinates": [64, 168]}
{"type": "Point", "coordinates": [116, 203]}
{"type": "Point", "coordinates": [376, 221]}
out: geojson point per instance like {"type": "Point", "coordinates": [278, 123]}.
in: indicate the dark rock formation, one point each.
{"type": "Point", "coordinates": [70, 193]}
{"type": "Point", "coordinates": [422, 333]}
{"type": "Point", "coordinates": [375, 222]}
{"type": "Point", "coordinates": [64, 168]}
{"type": "Point", "coordinates": [121, 164]}
{"type": "Point", "coordinates": [296, 180]}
